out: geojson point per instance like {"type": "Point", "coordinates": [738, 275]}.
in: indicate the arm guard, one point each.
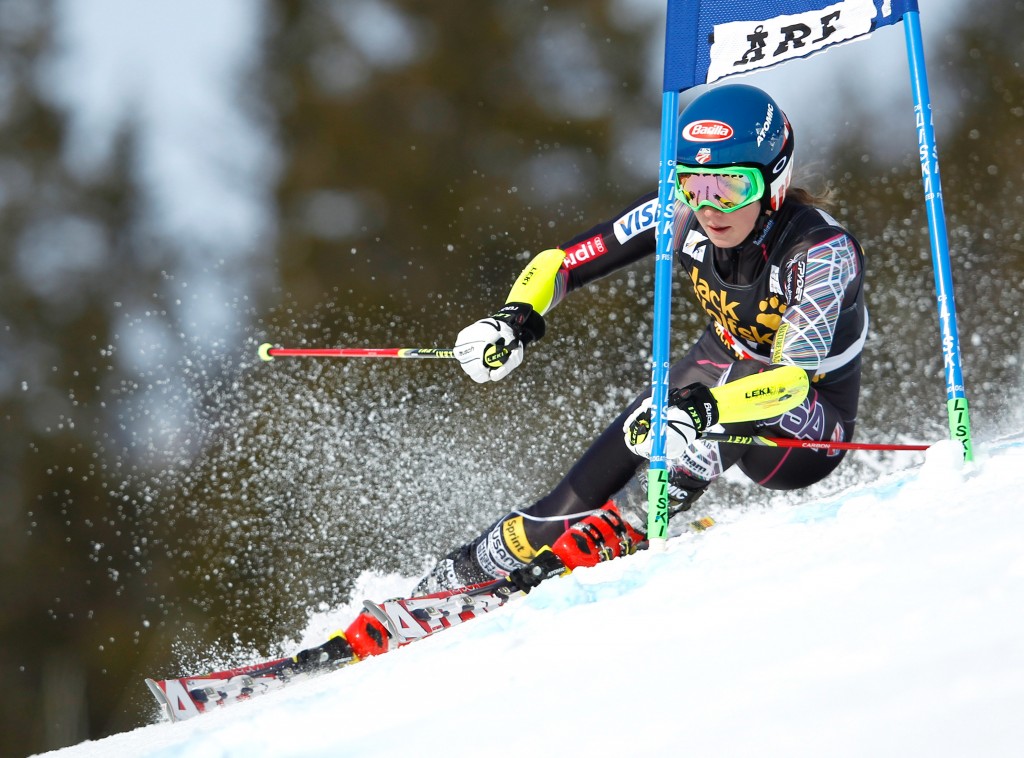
{"type": "Point", "coordinates": [541, 285]}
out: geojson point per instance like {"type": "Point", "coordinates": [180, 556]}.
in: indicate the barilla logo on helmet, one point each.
{"type": "Point", "coordinates": [703, 155]}
{"type": "Point", "coordinates": [707, 130]}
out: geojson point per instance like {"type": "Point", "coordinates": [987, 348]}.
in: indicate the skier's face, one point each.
{"type": "Point", "coordinates": [728, 229]}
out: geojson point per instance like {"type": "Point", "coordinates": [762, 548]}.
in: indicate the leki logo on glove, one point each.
{"type": "Point", "coordinates": [496, 355]}
{"type": "Point", "coordinates": [696, 417]}
{"type": "Point", "coordinates": [640, 428]}
{"type": "Point", "coordinates": [702, 416]}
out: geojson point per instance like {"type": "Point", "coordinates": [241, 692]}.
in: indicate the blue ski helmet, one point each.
{"type": "Point", "coordinates": [739, 125]}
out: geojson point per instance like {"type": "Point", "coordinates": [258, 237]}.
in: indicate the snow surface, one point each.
{"type": "Point", "coordinates": [885, 621]}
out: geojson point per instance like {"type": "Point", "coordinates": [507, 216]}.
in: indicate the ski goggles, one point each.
{"type": "Point", "coordinates": [724, 189]}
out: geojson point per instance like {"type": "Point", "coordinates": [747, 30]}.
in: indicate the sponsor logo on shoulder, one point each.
{"type": "Point", "coordinates": [636, 221]}
{"type": "Point", "coordinates": [794, 282]}
{"type": "Point", "coordinates": [707, 130]}
{"type": "Point", "coordinates": [695, 245]}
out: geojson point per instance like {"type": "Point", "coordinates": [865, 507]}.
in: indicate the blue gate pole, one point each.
{"type": "Point", "coordinates": [956, 397]}
{"type": "Point", "coordinates": [657, 476]}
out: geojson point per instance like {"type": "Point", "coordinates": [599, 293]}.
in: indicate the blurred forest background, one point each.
{"type": "Point", "coordinates": [167, 501]}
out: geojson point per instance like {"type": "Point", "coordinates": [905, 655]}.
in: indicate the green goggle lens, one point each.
{"type": "Point", "coordinates": [724, 189]}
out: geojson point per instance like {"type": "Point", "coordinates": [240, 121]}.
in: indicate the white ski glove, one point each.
{"type": "Point", "coordinates": [690, 411]}
{"type": "Point", "coordinates": [490, 348]}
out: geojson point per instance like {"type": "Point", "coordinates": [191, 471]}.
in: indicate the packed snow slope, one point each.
{"type": "Point", "coordinates": [885, 621]}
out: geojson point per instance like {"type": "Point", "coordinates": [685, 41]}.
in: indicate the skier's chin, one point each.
{"type": "Point", "coordinates": [723, 235]}
{"type": "Point", "coordinates": [726, 230]}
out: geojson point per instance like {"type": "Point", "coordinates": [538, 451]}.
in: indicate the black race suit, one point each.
{"type": "Point", "coordinates": [791, 294]}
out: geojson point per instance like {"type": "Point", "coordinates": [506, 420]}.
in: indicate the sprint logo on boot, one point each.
{"type": "Point", "coordinates": [513, 532]}
{"type": "Point", "coordinates": [494, 556]}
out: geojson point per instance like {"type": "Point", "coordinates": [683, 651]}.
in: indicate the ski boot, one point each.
{"type": "Point", "coordinates": [368, 636]}
{"type": "Point", "coordinates": [334, 653]}
{"type": "Point", "coordinates": [459, 568]}
{"type": "Point", "coordinates": [601, 536]}
{"type": "Point", "coordinates": [620, 526]}
{"type": "Point", "coordinates": [500, 550]}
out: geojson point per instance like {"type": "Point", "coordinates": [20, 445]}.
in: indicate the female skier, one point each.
{"type": "Point", "coordinates": [782, 284]}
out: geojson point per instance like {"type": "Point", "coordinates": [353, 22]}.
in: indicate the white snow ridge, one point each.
{"type": "Point", "coordinates": [886, 621]}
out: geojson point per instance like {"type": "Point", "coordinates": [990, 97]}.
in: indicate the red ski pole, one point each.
{"type": "Point", "coordinates": [268, 352]}
{"type": "Point", "coordinates": [733, 439]}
